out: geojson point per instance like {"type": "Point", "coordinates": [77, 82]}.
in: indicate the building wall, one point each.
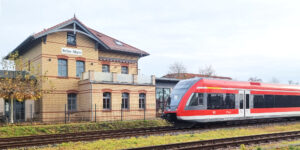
{"type": "Point", "coordinates": [44, 57]}
{"type": "Point", "coordinates": [29, 110]}
{"type": "Point", "coordinates": [116, 99]}
{"type": "Point", "coordinates": [34, 56]}
{"type": "Point", "coordinates": [116, 66]}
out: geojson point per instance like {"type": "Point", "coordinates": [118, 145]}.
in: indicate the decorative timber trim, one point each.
{"type": "Point", "coordinates": [117, 60]}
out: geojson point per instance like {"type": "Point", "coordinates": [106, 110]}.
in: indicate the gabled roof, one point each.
{"type": "Point", "coordinates": [192, 75]}
{"type": "Point", "coordinates": [106, 43]}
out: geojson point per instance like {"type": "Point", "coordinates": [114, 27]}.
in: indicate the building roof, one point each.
{"type": "Point", "coordinates": [14, 74]}
{"type": "Point", "coordinates": [192, 75]}
{"type": "Point", "coordinates": [104, 42]}
{"type": "Point", "coordinates": [167, 80]}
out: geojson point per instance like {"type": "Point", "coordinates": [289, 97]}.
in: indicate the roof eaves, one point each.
{"type": "Point", "coordinates": [142, 54]}
{"type": "Point", "coordinates": [91, 32]}
{"type": "Point", "coordinates": [26, 41]}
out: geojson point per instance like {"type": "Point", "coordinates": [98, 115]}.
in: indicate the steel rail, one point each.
{"type": "Point", "coordinates": [26, 141]}
{"type": "Point", "coordinates": [82, 136]}
{"type": "Point", "coordinates": [226, 142]}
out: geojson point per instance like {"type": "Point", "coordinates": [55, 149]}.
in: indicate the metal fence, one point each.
{"type": "Point", "coordinates": [94, 113]}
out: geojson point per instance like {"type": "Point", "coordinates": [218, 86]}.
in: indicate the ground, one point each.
{"type": "Point", "coordinates": [27, 130]}
{"type": "Point", "coordinates": [177, 138]}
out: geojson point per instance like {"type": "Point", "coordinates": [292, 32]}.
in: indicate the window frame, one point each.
{"type": "Point", "coordinates": [142, 101]}
{"type": "Point", "coordinates": [59, 69]}
{"type": "Point", "coordinates": [71, 34]}
{"type": "Point", "coordinates": [223, 101]}
{"type": "Point", "coordinates": [72, 102]}
{"type": "Point", "coordinates": [105, 100]}
{"type": "Point", "coordinates": [125, 101]}
{"type": "Point", "coordinates": [108, 68]}
{"type": "Point", "coordinates": [198, 107]}
{"type": "Point", "coordinates": [83, 63]}
{"type": "Point", "coordinates": [122, 70]}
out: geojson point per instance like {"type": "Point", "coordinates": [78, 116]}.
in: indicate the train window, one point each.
{"type": "Point", "coordinates": [180, 89]}
{"type": "Point", "coordinates": [269, 101]}
{"type": "Point", "coordinates": [273, 101]}
{"type": "Point", "coordinates": [258, 101]}
{"type": "Point", "coordinates": [220, 101]}
{"type": "Point", "coordinates": [241, 97]}
{"type": "Point", "coordinates": [196, 100]}
{"type": "Point", "coordinates": [247, 101]}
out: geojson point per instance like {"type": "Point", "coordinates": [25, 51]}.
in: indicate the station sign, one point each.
{"type": "Point", "coordinates": [71, 51]}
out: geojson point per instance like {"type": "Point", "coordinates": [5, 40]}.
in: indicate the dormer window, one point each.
{"type": "Point", "coordinates": [71, 39]}
{"type": "Point", "coordinates": [118, 43]}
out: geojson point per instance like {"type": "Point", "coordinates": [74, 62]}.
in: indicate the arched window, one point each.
{"type": "Point", "coordinates": [142, 100]}
{"type": "Point", "coordinates": [106, 100]}
{"type": "Point", "coordinates": [72, 102]}
{"type": "Point", "coordinates": [125, 100]}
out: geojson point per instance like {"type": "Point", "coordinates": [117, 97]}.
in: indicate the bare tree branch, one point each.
{"type": "Point", "coordinates": [255, 79]}
{"type": "Point", "coordinates": [207, 71]}
{"type": "Point", "coordinates": [178, 68]}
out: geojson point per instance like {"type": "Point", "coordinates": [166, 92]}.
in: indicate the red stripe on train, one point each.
{"type": "Point", "coordinates": [270, 110]}
{"type": "Point", "coordinates": [208, 112]}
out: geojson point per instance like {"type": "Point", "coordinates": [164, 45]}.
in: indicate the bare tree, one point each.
{"type": "Point", "coordinates": [177, 68]}
{"type": "Point", "coordinates": [208, 71]}
{"type": "Point", "coordinates": [274, 80]}
{"type": "Point", "coordinates": [291, 82]}
{"type": "Point", "coordinates": [255, 79]}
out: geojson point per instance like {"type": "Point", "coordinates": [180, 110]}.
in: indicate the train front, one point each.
{"type": "Point", "coordinates": [177, 94]}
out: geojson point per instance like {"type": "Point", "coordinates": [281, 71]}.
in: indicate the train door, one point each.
{"type": "Point", "coordinates": [244, 103]}
{"type": "Point", "coordinates": [247, 103]}
{"type": "Point", "coordinates": [241, 104]}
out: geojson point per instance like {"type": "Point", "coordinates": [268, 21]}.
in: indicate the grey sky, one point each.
{"type": "Point", "coordinates": [239, 38]}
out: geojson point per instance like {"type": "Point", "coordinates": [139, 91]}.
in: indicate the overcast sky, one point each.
{"type": "Point", "coordinates": [240, 39]}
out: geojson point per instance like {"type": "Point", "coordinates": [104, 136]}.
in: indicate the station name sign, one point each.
{"type": "Point", "coordinates": [71, 51]}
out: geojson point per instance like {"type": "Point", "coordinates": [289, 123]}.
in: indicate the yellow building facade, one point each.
{"type": "Point", "coordinates": [95, 77]}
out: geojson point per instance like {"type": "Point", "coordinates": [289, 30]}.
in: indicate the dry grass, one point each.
{"type": "Point", "coordinates": [167, 139]}
{"type": "Point", "coordinates": [16, 131]}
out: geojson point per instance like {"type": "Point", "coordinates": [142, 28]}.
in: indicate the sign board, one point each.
{"type": "Point", "coordinates": [71, 51]}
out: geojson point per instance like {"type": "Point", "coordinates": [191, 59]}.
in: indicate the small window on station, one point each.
{"type": "Point", "coordinates": [105, 68]}
{"type": "Point", "coordinates": [71, 39]}
{"type": "Point", "coordinates": [124, 70]}
{"type": "Point", "coordinates": [118, 43]}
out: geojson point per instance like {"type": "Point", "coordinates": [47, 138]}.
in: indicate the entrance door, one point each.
{"type": "Point", "coordinates": [244, 103]}
{"type": "Point", "coordinates": [19, 110]}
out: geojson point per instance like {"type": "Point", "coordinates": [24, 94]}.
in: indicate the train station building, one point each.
{"type": "Point", "coordinates": [94, 75]}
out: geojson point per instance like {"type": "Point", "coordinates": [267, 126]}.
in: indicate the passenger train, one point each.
{"type": "Point", "coordinates": [211, 100]}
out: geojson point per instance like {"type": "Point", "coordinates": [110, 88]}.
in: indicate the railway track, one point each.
{"type": "Point", "coordinates": [38, 140]}
{"type": "Point", "coordinates": [82, 136]}
{"type": "Point", "coordinates": [226, 142]}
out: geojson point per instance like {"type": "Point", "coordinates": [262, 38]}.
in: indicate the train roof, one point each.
{"type": "Point", "coordinates": [246, 85]}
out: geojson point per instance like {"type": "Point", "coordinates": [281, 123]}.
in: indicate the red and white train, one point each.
{"type": "Point", "coordinates": [209, 100]}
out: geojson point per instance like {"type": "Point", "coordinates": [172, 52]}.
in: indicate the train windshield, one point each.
{"type": "Point", "coordinates": [179, 90]}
